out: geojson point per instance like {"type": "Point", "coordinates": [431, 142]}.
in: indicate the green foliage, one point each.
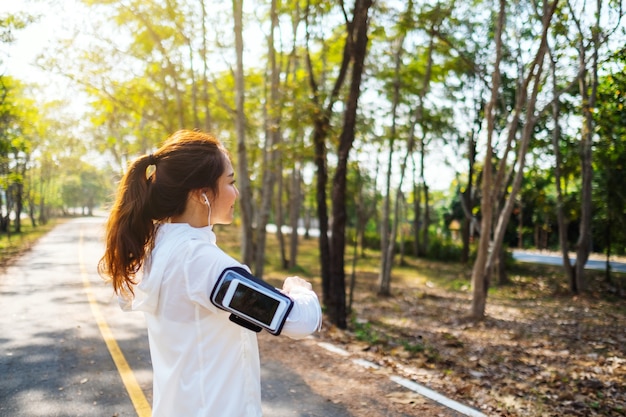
{"type": "Point", "coordinates": [610, 162]}
{"type": "Point", "coordinates": [143, 69]}
{"type": "Point", "coordinates": [443, 249]}
{"type": "Point", "coordinates": [384, 336]}
{"type": "Point", "coordinates": [86, 188]}
{"type": "Point", "coordinates": [36, 153]}
{"type": "Point", "coordinates": [413, 347]}
{"type": "Point", "coordinates": [364, 332]}
{"type": "Point", "coordinates": [10, 23]}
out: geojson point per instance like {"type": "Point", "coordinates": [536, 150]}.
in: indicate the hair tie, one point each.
{"type": "Point", "coordinates": [151, 168]}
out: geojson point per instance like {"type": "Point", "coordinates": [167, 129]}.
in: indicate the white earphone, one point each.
{"type": "Point", "coordinates": [206, 200]}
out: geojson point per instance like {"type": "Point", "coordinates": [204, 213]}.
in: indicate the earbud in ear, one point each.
{"type": "Point", "coordinates": [206, 201]}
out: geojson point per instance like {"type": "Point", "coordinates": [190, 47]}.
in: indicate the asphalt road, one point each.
{"type": "Point", "coordinates": [66, 348]}
{"type": "Point", "coordinates": [549, 259]}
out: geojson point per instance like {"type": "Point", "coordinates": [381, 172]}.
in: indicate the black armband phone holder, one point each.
{"type": "Point", "coordinates": [252, 302]}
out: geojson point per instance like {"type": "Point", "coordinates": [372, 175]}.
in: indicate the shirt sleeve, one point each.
{"type": "Point", "coordinates": [204, 265]}
{"type": "Point", "coordinates": [305, 317]}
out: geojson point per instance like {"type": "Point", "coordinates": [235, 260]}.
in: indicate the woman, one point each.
{"type": "Point", "coordinates": [161, 223]}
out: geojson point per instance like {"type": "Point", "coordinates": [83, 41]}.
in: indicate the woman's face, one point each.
{"type": "Point", "coordinates": [223, 205]}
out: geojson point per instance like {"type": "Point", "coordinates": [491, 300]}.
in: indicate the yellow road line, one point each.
{"type": "Point", "coordinates": [142, 407]}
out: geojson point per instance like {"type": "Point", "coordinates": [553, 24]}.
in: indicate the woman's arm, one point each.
{"type": "Point", "coordinates": [305, 317]}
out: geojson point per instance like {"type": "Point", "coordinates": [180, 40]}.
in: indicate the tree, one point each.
{"type": "Point", "coordinates": [353, 56]}
{"type": "Point", "coordinates": [18, 119]}
{"type": "Point", "coordinates": [387, 231]}
{"type": "Point", "coordinates": [322, 103]}
{"type": "Point", "coordinates": [357, 39]}
{"type": "Point", "coordinates": [588, 33]}
{"type": "Point", "coordinates": [272, 161]}
{"type": "Point", "coordinates": [429, 80]}
{"type": "Point", "coordinates": [526, 97]}
{"type": "Point", "coordinates": [14, 147]}
{"type": "Point", "coordinates": [590, 38]}
{"type": "Point", "coordinates": [247, 251]}
{"type": "Point", "coordinates": [424, 85]}
{"type": "Point", "coordinates": [610, 164]}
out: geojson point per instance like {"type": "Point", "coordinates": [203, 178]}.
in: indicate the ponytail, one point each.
{"type": "Point", "coordinates": [154, 189]}
{"type": "Point", "coordinates": [130, 229]}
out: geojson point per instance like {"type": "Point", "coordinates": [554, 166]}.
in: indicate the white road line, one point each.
{"type": "Point", "coordinates": [406, 383]}
{"type": "Point", "coordinates": [365, 364]}
{"type": "Point", "coordinates": [334, 349]}
{"type": "Point", "coordinates": [435, 396]}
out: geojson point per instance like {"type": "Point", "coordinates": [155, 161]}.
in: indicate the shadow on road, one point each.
{"type": "Point", "coordinates": [282, 389]}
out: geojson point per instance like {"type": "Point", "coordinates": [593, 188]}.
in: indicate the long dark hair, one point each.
{"type": "Point", "coordinates": [155, 188]}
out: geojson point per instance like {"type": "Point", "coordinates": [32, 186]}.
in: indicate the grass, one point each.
{"type": "Point", "coordinates": [526, 281]}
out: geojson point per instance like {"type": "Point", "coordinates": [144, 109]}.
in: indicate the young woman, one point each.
{"type": "Point", "coordinates": [161, 224]}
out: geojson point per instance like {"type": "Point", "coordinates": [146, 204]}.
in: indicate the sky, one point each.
{"type": "Point", "coordinates": [33, 39]}
{"type": "Point", "coordinates": [56, 19]}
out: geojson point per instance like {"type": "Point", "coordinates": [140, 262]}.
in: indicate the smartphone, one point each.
{"type": "Point", "coordinates": [256, 304]}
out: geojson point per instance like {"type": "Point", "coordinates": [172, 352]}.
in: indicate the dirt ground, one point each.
{"type": "Point", "coordinates": [539, 352]}
{"type": "Point", "coordinates": [361, 391]}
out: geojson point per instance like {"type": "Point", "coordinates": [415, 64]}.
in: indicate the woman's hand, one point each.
{"type": "Point", "coordinates": [305, 317]}
{"type": "Point", "coordinates": [295, 282]}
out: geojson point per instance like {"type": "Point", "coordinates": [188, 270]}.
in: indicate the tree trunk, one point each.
{"type": "Point", "coordinates": [194, 87]}
{"type": "Point", "coordinates": [280, 216]}
{"type": "Point", "coordinates": [319, 145]}
{"type": "Point", "coordinates": [417, 117]}
{"type": "Point", "coordinates": [242, 155]}
{"type": "Point", "coordinates": [500, 267]}
{"type": "Point", "coordinates": [321, 129]}
{"type": "Point", "coordinates": [608, 242]}
{"type": "Point", "coordinates": [358, 32]}
{"type": "Point", "coordinates": [352, 277]}
{"type": "Point", "coordinates": [426, 209]}
{"type": "Point", "coordinates": [467, 202]}
{"type": "Point", "coordinates": [267, 195]}
{"type": "Point", "coordinates": [527, 134]}
{"type": "Point", "coordinates": [588, 103]}
{"type": "Point", "coordinates": [205, 72]}
{"type": "Point", "coordinates": [401, 221]}
{"type": "Point", "coordinates": [560, 211]}
{"type": "Point", "coordinates": [296, 195]}
{"type": "Point", "coordinates": [480, 275]}
{"type": "Point", "coordinates": [520, 227]}
{"type": "Point", "coordinates": [384, 277]}
{"type": "Point", "coordinates": [295, 199]}
{"type": "Point", "coordinates": [417, 215]}
{"type": "Point", "coordinates": [271, 152]}
{"type": "Point", "coordinates": [19, 206]}
{"type": "Point", "coordinates": [493, 250]}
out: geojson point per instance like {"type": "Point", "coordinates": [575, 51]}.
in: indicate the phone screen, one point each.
{"type": "Point", "coordinates": [254, 304]}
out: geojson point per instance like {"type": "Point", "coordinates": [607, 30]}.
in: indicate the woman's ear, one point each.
{"type": "Point", "coordinates": [196, 196]}
{"type": "Point", "coordinates": [202, 196]}
{"type": "Point", "coordinates": [206, 199]}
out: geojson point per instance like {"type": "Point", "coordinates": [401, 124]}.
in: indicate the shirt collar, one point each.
{"type": "Point", "coordinates": [201, 233]}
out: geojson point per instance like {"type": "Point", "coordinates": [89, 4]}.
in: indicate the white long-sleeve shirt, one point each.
{"type": "Point", "coordinates": [204, 365]}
